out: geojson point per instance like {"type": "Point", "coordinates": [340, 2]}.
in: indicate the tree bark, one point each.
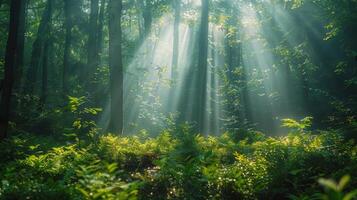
{"type": "Point", "coordinates": [45, 63]}
{"type": "Point", "coordinates": [140, 7]}
{"type": "Point", "coordinates": [147, 15]}
{"type": "Point", "coordinates": [202, 66]}
{"type": "Point", "coordinates": [100, 29]}
{"type": "Point", "coordinates": [10, 58]}
{"type": "Point", "coordinates": [44, 88]}
{"type": "Point", "coordinates": [92, 60]}
{"type": "Point", "coordinates": [20, 47]}
{"type": "Point", "coordinates": [176, 36]}
{"type": "Point", "coordinates": [37, 49]}
{"type": "Point", "coordinates": [116, 67]}
{"type": "Point", "coordinates": [67, 46]}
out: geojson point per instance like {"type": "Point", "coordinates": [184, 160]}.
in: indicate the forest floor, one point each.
{"type": "Point", "coordinates": [179, 165]}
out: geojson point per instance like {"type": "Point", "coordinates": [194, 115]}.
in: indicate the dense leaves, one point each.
{"type": "Point", "coordinates": [181, 165]}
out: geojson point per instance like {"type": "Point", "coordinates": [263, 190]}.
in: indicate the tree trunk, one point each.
{"type": "Point", "coordinates": [21, 47]}
{"type": "Point", "coordinates": [67, 46]}
{"type": "Point", "coordinates": [116, 67]}
{"type": "Point", "coordinates": [140, 7]}
{"type": "Point", "coordinates": [202, 66]}
{"type": "Point", "coordinates": [92, 60]}
{"type": "Point", "coordinates": [232, 52]}
{"type": "Point", "coordinates": [100, 29]}
{"type": "Point", "coordinates": [147, 15]}
{"type": "Point", "coordinates": [10, 58]}
{"type": "Point", "coordinates": [45, 61]}
{"type": "Point", "coordinates": [37, 49]}
{"type": "Point", "coordinates": [175, 54]}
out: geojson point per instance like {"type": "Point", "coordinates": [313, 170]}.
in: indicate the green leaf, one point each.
{"type": "Point", "coordinates": [350, 195]}
{"type": "Point", "coordinates": [343, 182]}
{"type": "Point", "coordinates": [329, 184]}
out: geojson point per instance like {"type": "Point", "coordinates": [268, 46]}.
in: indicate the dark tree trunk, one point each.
{"type": "Point", "coordinates": [100, 29]}
{"type": "Point", "coordinates": [45, 62]}
{"type": "Point", "coordinates": [116, 67]}
{"type": "Point", "coordinates": [10, 58]}
{"type": "Point", "coordinates": [92, 60]}
{"type": "Point", "coordinates": [202, 67]}
{"type": "Point", "coordinates": [20, 47]}
{"type": "Point", "coordinates": [37, 49]}
{"type": "Point", "coordinates": [175, 54]}
{"type": "Point", "coordinates": [67, 44]}
{"type": "Point", "coordinates": [147, 15]}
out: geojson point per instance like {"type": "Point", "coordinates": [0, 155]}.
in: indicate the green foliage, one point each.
{"type": "Point", "coordinates": [299, 126]}
{"type": "Point", "coordinates": [100, 181]}
{"type": "Point", "coordinates": [84, 117]}
{"type": "Point", "coordinates": [181, 165]}
{"type": "Point", "coordinates": [335, 191]}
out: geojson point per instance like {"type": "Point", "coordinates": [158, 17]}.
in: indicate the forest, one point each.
{"type": "Point", "coordinates": [178, 99]}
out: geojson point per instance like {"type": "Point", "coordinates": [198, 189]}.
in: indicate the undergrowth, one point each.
{"type": "Point", "coordinates": [181, 165]}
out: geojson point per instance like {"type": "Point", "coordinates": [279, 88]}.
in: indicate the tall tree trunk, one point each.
{"type": "Point", "coordinates": [116, 67]}
{"type": "Point", "coordinates": [230, 55]}
{"type": "Point", "coordinates": [147, 15]}
{"type": "Point", "coordinates": [140, 7]}
{"type": "Point", "coordinates": [20, 47]}
{"type": "Point", "coordinates": [67, 44]}
{"type": "Point", "coordinates": [37, 49]}
{"type": "Point", "coordinates": [92, 60]}
{"type": "Point", "coordinates": [45, 63]}
{"type": "Point", "coordinates": [10, 58]}
{"type": "Point", "coordinates": [202, 66]}
{"type": "Point", "coordinates": [44, 88]}
{"type": "Point", "coordinates": [100, 29]}
{"type": "Point", "coordinates": [175, 54]}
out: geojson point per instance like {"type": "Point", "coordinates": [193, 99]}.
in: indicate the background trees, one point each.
{"type": "Point", "coordinates": [12, 53]}
{"type": "Point", "coordinates": [116, 67]}
{"type": "Point", "coordinates": [178, 99]}
{"type": "Point", "coordinates": [218, 64]}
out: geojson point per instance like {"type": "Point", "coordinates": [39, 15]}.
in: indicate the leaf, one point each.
{"type": "Point", "coordinates": [112, 167]}
{"type": "Point", "coordinates": [343, 182]}
{"type": "Point", "coordinates": [85, 193]}
{"type": "Point", "coordinates": [350, 195]}
{"type": "Point", "coordinates": [33, 147]}
{"type": "Point", "coordinates": [297, 171]}
{"type": "Point", "coordinates": [329, 184]}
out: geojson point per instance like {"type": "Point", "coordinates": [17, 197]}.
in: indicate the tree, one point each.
{"type": "Point", "coordinates": [147, 15]}
{"type": "Point", "coordinates": [47, 51]}
{"type": "Point", "coordinates": [68, 24]}
{"type": "Point", "coordinates": [175, 54]}
{"type": "Point", "coordinates": [10, 59]}
{"type": "Point", "coordinates": [202, 66]}
{"type": "Point", "coordinates": [37, 48]}
{"type": "Point", "coordinates": [93, 54]}
{"type": "Point", "coordinates": [100, 28]}
{"type": "Point", "coordinates": [116, 66]}
{"type": "Point", "coordinates": [21, 47]}
{"type": "Point", "coordinates": [238, 114]}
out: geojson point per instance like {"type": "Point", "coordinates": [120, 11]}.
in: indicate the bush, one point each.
{"type": "Point", "coordinates": [179, 165]}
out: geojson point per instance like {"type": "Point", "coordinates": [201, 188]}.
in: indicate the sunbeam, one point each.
{"type": "Point", "coordinates": [178, 99]}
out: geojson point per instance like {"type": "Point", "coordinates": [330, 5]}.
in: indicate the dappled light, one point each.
{"type": "Point", "coordinates": [178, 99]}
